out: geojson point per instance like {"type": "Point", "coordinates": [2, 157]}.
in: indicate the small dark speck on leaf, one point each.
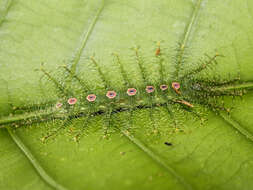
{"type": "Point", "coordinates": [168, 143]}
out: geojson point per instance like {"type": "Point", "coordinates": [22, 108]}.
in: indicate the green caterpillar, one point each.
{"type": "Point", "coordinates": [186, 90]}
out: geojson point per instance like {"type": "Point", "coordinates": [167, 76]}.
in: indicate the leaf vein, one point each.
{"type": "Point", "coordinates": [237, 126]}
{"type": "Point", "coordinates": [85, 37]}
{"type": "Point", "coordinates": [42, 173]}
{"type": "Point", "coordinates": [187, 33]}
{"type": "Point", "coordinates": [156, 158]}
{"type": "Point", "coordinates": [5, 11]}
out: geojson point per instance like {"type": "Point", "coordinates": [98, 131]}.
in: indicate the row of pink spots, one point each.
{"type": "Point", "coordinates": [113, 94]}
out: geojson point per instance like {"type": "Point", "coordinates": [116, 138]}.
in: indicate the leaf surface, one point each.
{"type": "Point", "coordinates": [214, 155]}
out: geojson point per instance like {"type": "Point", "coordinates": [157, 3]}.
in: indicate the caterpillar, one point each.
{"type": "Point", "coordinates": [187, 90]}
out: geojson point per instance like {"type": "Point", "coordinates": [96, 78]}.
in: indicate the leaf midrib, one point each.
{"type": "Point", "coordinates": [47, 111]}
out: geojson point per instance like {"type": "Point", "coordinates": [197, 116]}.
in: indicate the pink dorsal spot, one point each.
{"type": "Point", "coordinates": [72, 101]}
{"type": "Point", "coordinates": [111, 94]}
{"type": "Point", "coordinates": [91, 97]}
{"type": "Point", "coordinates": [164, 87]}
{"type": "Point", "coordinates": [131, 91]}
{"type": "Point", "coordinates": [175, 86]}
{"type": "Point", "coordinates": [58, 105]}
{"type": "Point", "coordinates": [150, 89]}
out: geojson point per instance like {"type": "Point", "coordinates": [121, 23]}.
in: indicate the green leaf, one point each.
{"type": "Point", "coordinates": [151, 144]}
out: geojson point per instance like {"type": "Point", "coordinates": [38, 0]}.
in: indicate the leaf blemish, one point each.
{"type": "Point", "coordinates": [168, 143]}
